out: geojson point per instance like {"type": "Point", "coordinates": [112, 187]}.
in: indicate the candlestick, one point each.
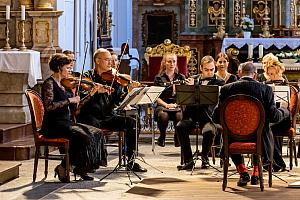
{"type": "Point", "coordinates": [250, 51]}
{"type": "Point", "coordinates": [7, 12]}
{"type": "Point", "coordinates": [22, 12]}
{"type": "Point", "coordinates": [7, 46]}
{"type": "Point", "coordinates": [260, 51]}
{"type": "Point", "coordinates": [23, 47]}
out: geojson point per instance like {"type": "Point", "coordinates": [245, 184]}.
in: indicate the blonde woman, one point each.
{"type": "Point", "coordinates": [166, 107]}
{"type": "Point", "coordinates": [273, 71]}
{"type": "Point", "coordinates": [222, 62]}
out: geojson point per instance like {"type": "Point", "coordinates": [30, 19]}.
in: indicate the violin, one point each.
{"type": "Point", "coordinates": [112, 75]}
{"type": "Point", "coordinates": [86, 84]}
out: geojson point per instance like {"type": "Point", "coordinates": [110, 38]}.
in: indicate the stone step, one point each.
{"type": "Point", "coordinates": [11, 132]}
{"type": "Point", "coordinates": [8, 170]}
{"type": "Point", "coordinates": [21, 149]}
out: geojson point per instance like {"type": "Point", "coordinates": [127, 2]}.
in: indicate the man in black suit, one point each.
{"type": "Point", "coordinates": [201, 115]}
{"type": "Point", "coordinates": [247, 85]}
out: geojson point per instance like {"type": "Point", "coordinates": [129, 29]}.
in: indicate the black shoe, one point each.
{"type": "Point", "coordinates": [186, 166]}
{"type": "Point", "coordinates": [161, 141]}
{"type": "Point", "coordinates": [136, 168]}
{"type": "Point", "coordinates": [205, 163]}
{"type": "Point", "coordinates": [83, 175]}
{"type": "Point", "coordinates": [60, 171]}
{"type": "Point", "coordinates": [244, 179]}
{"type": "Point", "coordinates": [298, 155]}
{"type": "Point", "coordinates": [254, 180]}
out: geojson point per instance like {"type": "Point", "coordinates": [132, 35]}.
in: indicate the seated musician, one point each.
{"type": "Point", "coordinates": [201, 115]}
{"type": "Point", "coordinates": [222, 62]}
{"type": "Point", "coordinates": [71, 55]}
{"type": "Point", "coordinates": [247, 85]}
{"type": "Point", "coordinates": [84, 139]}
{"type": "Point", "coordinates": [98, 111]}
{"type": "Point", "coordinates": [273, 74]}
{"type": "Point", "coordinates": [166, 104]}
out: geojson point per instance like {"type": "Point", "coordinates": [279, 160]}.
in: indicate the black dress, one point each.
{"type": "Point", "coordinates": [86, 150]}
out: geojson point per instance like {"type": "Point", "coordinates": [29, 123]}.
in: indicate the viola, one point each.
{"type": "Point", "coordinates": [86, 84]}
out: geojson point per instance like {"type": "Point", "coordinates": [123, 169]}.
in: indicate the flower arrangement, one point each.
{"type": "Point", "coordinates": [289, 54]}
{"type": "Point", "coordinates": [247, 23]}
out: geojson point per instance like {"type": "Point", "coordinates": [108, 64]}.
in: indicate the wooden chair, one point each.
{"type": "Point", "coordinates": [153, 57]}
{"type": "Point", "coordinates": [291, 133]}
{"type": "Point", "coordinates": [242, 119]}
{"type": "Point", "coordinates": [37, 113]}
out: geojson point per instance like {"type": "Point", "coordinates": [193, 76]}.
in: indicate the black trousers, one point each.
{"type": "Point", "coordinates": [184, 128]}
{"type": "Point", "coordinates": [122, 123]}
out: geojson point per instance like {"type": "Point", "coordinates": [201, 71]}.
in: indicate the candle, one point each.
{"type": "Point", "coordinates": [22, 12]}
{"type": "Point", "coordinates": [7, 12]}
{"type": "Point", "coordinates": [260, 51]}
{"type": "Point", "coordinates": [250, 51]}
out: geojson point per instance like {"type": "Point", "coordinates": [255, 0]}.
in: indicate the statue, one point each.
{"type": "Point", "coordinates": [259, 12]}
{"type": "Point", "coordinates": [214, 12]}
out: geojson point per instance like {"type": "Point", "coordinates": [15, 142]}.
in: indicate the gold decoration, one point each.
{"type": "Point", "coordinates": [168, 47]}
{"type": "Point", "coordinates": [221, 27]}
{"type": "Point", "coordinates": [237, 13]}
{"type": "Point", "coordinates": [27, 3]}
{"type": "Point", "coordinates": [193, 13]}
{"type": "Point", "coordinates": [265, 28]}
{"type": "Point", "coordinates": [260, 10]}
{"type": "Point", "coordinates": [214, 11]}
{"type": "Point", "coordinates": [45, 5]}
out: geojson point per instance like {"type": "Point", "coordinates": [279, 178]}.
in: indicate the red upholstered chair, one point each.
{"type": "Point", "coordinates": [242, 119]}
{"type": "Point", "coordinates": [291, 133]}
{"type": "Point", "coordinates": [37, 113]}
{"type": "Point", "coordinates": [153, 57]}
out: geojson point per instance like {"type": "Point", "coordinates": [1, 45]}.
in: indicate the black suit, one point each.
{"type": "Point", "coordinates": [264, 94]}
{"type": "Point", "coordinates": [191, 115]}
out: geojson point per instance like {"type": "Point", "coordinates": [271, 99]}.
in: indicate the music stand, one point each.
{"type": "Point", "coordinates": [122, 157]}
{"type": "Point", "coordinates": [146, 96]}
{"type": "Point", "coordinates": [199, 96]}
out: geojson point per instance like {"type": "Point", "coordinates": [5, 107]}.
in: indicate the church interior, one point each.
{"type": "Point", "coordinates": [33, 30]}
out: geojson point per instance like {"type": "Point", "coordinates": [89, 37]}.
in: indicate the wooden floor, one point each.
{"type": "Point", "coordinates": [195, 188]}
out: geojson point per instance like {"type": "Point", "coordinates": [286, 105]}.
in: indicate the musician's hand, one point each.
{"type": "Point", "coordinates": [171, 106]}
{"type": "Point", "coordinates": [284, 104]}
{"type": "Point", "coordinates": [190, 81]}
{"type": "Point", "coordinates": [100, 88]}
{"type": "Point", "coordinates": [74, 99]}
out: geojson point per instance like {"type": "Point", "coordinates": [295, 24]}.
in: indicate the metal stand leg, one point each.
{"type": "Point", "coordinates": [197, 152]}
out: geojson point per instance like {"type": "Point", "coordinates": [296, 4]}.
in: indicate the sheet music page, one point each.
{"type": "Point", "coordinates": [131, 94]}
{"type": "Point", "coordinates": [150, 95]}
{"type": "Point", "coordinates": [281, 92]}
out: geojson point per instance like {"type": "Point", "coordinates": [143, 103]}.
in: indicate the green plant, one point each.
{"type": "Point", "coordinates": [289, 54]}
{"type": "Point", "coordinates": [247, 23]}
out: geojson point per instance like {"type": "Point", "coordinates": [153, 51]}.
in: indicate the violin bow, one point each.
{"type": "Point", "coordinates": [118, 66]}
{"type": "Point", "coordinates": [82, 69]}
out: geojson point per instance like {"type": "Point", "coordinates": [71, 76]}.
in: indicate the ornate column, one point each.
{"type": "Point", "coordinates": [45, 36]}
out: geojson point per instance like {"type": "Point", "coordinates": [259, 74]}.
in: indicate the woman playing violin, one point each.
{"type": "Point", "coordinates": [86, 142]}
{"type": "Point", "coordinates": [98, 111]}
{"type": "Point", "coordinates": [273, 73]}
{"type": "Point", "coordinates": [166, 107]}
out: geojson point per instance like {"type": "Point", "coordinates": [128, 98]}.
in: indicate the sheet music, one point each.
{"type": "Point", "coordinates": [150, 94]}
{"type": "Point", "coordinates": [281, 92]}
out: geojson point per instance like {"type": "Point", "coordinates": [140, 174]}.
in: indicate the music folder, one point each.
{"type": "Point", "coordinates": [203, 95]}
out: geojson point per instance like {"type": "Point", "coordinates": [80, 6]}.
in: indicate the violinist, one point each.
{"type": "Point", "coordinates": [166, 108]}
{"type": "Point", "coordinates": [273, 74]}
{"type": "Point", "coordinates": [99, 110]}
{"type": "Point", "coordinates": [71, 55]}
{"type": "Point", "coordinates": [86, 149]}
{"type": "Point", "coordinates": [202, 115]}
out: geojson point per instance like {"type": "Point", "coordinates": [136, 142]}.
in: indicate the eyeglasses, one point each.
{"type": "Point", "coordinates": [106, 59]}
